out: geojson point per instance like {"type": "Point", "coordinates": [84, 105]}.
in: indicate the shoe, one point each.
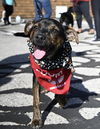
{"type": "Point", "coordinates": [8, 23]}
{"type": "Point", "coordinates": [97, 39]}
{"type": "Point", "coordinates": [5, 21]}
{"type": "Point", "coordinates": [91, 31]}
{"type": "Point", "coordinates": [79, 31]}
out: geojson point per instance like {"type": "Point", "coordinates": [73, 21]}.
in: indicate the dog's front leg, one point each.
{"type": "Point", "coordinates": [37, 122]}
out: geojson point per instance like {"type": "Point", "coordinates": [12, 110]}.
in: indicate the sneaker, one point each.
{"type": "Point", "coordinates": [79, 31]}
{"type": "Point", "coordinates": [6, 22]}
{"type": "Point", "coordinates": [91, 31]}
{"type": "Point", "coordinates": [97, 39]}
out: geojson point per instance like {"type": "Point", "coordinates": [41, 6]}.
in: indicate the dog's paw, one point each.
{"type": "Point", "coordinates": [61, 99]}
{"type": "Point", "coordinates": [37, 123]}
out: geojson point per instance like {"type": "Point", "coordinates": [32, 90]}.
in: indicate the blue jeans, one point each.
{"type": "Point", "coordinates": [42, 4]}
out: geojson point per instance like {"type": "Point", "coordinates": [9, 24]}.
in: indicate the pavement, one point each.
{"type": "Point", "coordinates": [82, 110]}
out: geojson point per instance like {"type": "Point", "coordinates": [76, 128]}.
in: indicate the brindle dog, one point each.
{"type": "Point", "coordinates": [48, 42]}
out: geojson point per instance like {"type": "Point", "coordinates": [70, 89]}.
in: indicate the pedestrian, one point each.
{"type": "Point", "coordinates": [8, 7]}
{"type": "Point", "coordinates": [42, 5]}
{"type": "Point", "coordinates": [82, 8]}
{"type": "Point", "coordinates": [96, 13]}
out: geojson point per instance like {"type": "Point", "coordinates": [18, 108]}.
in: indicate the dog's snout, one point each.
{"type": "Point", "coordinates": [40, 37]}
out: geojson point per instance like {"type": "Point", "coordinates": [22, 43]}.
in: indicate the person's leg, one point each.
{"type": "Point", "coordinates": [47, 8]}
{"type": "Point", "coordinates": [78, 17]}
{"type": "Point", "coordinates": [5, 14]}
{"type": "Point", "coordinates": [86, 12]}
{"type": "Point", "coordinates": [38, 10]}
{"type": "Point", "coordinates": [96, 13]}
{"type": "Point", "coordinates": [9, 13]}
{"type": "Point", "coordinates": [6, 18]}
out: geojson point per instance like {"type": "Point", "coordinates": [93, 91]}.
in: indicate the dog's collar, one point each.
{"type": "Point", "coordinates": [64, 60]}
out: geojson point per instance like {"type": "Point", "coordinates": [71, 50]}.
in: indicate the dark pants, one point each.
{"type": "Point", "coordinates": [82, 9]}
{"type": "Point", "coordinates": [9, 11]}
{"type": "Point", "coordinates": [96, 13]}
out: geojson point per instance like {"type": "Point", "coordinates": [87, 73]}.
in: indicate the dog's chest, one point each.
{"type": "Point", "coordinates": [60, 62]}
{"type": "Point", "coordinates": [54, 75]}
{"type": "Point", "coordinates": [56, 81]}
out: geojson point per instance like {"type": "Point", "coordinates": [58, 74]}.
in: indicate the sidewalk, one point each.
{"type": "Point", "coordinates": [83, 108]}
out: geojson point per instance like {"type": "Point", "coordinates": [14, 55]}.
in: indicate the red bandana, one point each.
{"type": "Point", "coordinates": [56, 81]}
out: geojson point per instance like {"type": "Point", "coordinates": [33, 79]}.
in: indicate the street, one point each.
{"type": "Point", "coordinates": [82, 110]}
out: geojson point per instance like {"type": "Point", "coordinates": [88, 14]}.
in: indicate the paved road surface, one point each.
{"type": "Point", "coordinates": [83, 108]}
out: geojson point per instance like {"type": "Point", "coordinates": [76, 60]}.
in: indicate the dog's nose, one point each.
{"type": "Point", "coordinates": [40, 37]}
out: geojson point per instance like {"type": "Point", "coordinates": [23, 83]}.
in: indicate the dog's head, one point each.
{"type": "Point", "coordinates": [46, 36]}
{"type": "Point", "coordinates": [66, 18]}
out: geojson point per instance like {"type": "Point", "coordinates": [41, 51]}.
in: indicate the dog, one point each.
{"type": "Point", "coordinates": [51, 63]}
{"type": "Point", "coordinates": [66, 18]}
{"type": "Point", "coordinates": [67, 21]}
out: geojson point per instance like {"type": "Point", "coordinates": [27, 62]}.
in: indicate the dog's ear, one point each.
{"type": "Point", "coordinates": [32, 30]}
{"type": "Point", "coordinates": [72, 35]}
{"type": "Point", "coordinates": [28, 28]}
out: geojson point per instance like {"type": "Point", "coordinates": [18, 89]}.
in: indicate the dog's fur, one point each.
{"type": "Point", "coordinates": [67, 21]}
{"type": "Point", "coordinates": [49, 35]}
{"type": "Point", "coordinates": [66, 18]}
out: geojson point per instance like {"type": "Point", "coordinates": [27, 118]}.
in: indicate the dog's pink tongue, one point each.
{"type": "Point", "coordinates": [39, 54]}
